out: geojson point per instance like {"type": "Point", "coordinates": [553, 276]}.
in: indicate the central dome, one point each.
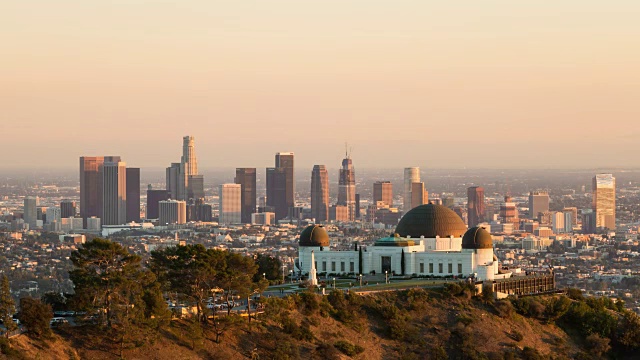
{"type": "Point", "coordinates": [431, 220]}
{"type": "Point", "coordinates": [314, 235]}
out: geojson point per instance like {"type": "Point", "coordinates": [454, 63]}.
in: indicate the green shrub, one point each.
{"type": "Point", "coordinates": [348, 348]}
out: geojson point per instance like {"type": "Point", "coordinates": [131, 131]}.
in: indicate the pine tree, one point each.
{"type": "Point", "coordinates": [7, 306]}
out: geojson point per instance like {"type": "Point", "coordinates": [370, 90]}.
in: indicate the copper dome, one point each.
{"type": "Point", "coordinates": [431, 220]}
{"type": "Point", "coordinates": [314, 235]}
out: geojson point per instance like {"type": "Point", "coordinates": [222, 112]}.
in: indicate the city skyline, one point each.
{"type": "Point", "coordinates": [502, 69]}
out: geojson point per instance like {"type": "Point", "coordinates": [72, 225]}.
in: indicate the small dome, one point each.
{"type": "Point", "coordinates": [431, 220]}
{"type": "Point", "coordinates": [477, 238]}
{"type": "Point", "coordinates": [314, 235]}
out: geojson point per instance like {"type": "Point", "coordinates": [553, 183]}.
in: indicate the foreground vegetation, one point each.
{"type": "Point", "coordinates": [132, 319]}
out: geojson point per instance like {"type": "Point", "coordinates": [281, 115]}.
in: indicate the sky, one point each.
{"type": "Point", "coordinates": [435, 84]}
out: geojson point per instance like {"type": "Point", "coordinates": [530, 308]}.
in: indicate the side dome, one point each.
{"type": "Point", "coordinates": [431, 220]}
{"type": "Point", "coordinates": [314, 235]}
{"type": "Point", "coordinates": [477, 238]}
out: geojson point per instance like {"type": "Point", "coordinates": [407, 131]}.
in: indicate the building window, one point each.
{"type": "Point", "coordinates": [333, 266]}
{"type": "Point", "coordinates": [430, 268]}
{"type": "Point", "coordinates": [342, 266]}
{"type": "Point", "coordinates": [450, 268]}
{"type": "Point", "coordinates": [440, 268]}
{"type": "Point", "coordinates": [324, 266]}
{"type": "Point", "coordinates": [352, 267]}
{"type": "Point", "coordinates": [459, 268]}
{"type": "Point", "coordinates": [421, 268]}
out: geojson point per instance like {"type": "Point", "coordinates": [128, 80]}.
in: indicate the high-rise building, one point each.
{"type": "Point", "coordinates": [411, 175]}
{"type": "Point", "coordinates": [320, 193]}
{"type": "Point", "coordinates": [604, 201]}
{"type": "Point", "coordinates": [509, 213]}
{"type": "Point", "coordinates": [419, 195]}
{"type": "Point", "coordinates": [383, 191]}
{"type": "Point", "coordinates": [179, 175]}
{"type": "Point", "coordinates": [246, 178]}
{"type": "Point", "coordinates": [173, 180]}
{"type": "Point", "coordinates": [339, 213]}
{"type": "Point", "coordinates": [347, 187]}
{"type": "Point", "coordinates": [281, 185]}
{"type": "Point", "coordinates": [264, 218]}
{"type": "Point", "coordinates": [114, 193]}
{"type": "Point", "coordinates": [557, 222]}
{"type": "Point", "coordinates": [230, 204]}
{"type": "Point", "coordinates": [30, 214]}
{"type": "Point", "coordinates": [475, 205]}
{"type": "Point", "coordinates": [67, 208]}
{"type": "Point", "coordinates": [357, 206]}
{"type": "Point", "coordinates": [53, 214]}
{"type": "Point", "coordinates": [573, 211]}
{"type": "Point", "coordinates": [133, 194]}
{"type": "Point", "coordinates": [538, 203]}
{"type": "Point", "coordinates": [153, 199]}
{"type": "Point", "coordinates": [172, 212]}
{"type": "Point", "coordinates": [195, 190]}
{"type": "Point", "coordinates": [91, 188]}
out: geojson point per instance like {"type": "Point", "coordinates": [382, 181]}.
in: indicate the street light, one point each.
{"type": "Point", "coordinates": [334, 283]}
{"type": "Point", "coordinates": [360, 280]}
{"type": "Point", "coordinates": [264, 276]}
{"type": "Point", "coordinates": [386, 277]}
{"type": "Point", "coordinates": [291, 276]}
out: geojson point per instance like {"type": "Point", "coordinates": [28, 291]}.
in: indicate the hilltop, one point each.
{"type": "Point", "coordinates": [413, 324]}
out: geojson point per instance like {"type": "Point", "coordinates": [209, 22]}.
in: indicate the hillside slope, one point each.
{"type": "Point", "coordinates": [413, 324]}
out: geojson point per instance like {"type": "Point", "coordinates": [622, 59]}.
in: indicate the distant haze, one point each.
{"type": "Point", "coordinates": [435, 84]}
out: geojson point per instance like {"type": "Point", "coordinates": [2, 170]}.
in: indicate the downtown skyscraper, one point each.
{"type": "Point", "coordinates": [475, 205]}
{"type": "Point", "coordinates": [347, 187]}
{"type": "Point", "coordinates": [538, 203]}
{"type": "Point", "coordinates": [383, 191]}
{"type": "Point", "coordinates": [114, 193]}
{"type": "Point", "coordinates": [182, 179]}
{"type": "Point", "coordinates": [246, 178]}
{"type": "Point", "coordinates": [91, 185]}
{"type": "Point", "coordinates": [320, 193]}
{"type": "Point", "coordinates": [604, 201]}
{"type": "Point", "coordinates": [281, 185]}
{"type": "Point", "coordinates": [411, 175]}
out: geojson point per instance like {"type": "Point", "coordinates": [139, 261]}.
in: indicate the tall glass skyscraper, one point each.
{"type": "Point", "coordinates": [604, 201]}
{"type": "Point", "coordinates": [320, 193]}
{"type": "Point", "coordinates": [475, 205]}
{"type": "Point", "coordinates": [281, 185]}
{"type": "Point", "coordinates": [347, 187]}
{"type": "Point", "coordinates": [246, 178]}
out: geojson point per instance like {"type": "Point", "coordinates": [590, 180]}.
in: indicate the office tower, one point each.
{"type": "Point", "coordinates": [195, 190]}
{"type": "Point", "coordinates": [475, 205]}
{"type": "Point", "coordinates": [538, 202]}
{"type": "Point", "coordinates": [411, 175]}
{"type": "Point", "coordinates": [588, 221]}
{"type": "Point", "coordinates": [172, 212]}
{"type": "Point", "coordinates": [573, 211]}
{"type": "Point", "coordinates": [418, 194]}
{"type": "Point", "coordinates": [557, 222]}
{"type": "Point", "coordinates": [133, 194]}
{"type": "Point", "coordinates": [54, 214]}
{"type": "Point", "coordinates": [509, 213]}
{"type": "Point", "coordinates": [568, 221]}
{"type": "Point", "coordinates": [114, 193]}
{"type": "Point", "coordinates": [153, 202]}
{"type": "Point", "coordinates": [179, 175]}
{"type": "Point", "coordinates": [67, 208]}
{"type": "Point", "coordinates": [357, 206]}
{"type": "Point", "coordinates": [230, 204]}
{"type": "Point", "coordinates": [30, 214]}
{"type": "Point", "coordinates": [347, 187]}
{"type": "Point", "coordinates": [246, 178]}
{"type": "Point", "coordinates": [383, 191]}
{"type": "Point", "coordinates": [604, 201]}
{"type": "Point", "coordinates": [320, 193]}
{"type": "Point", "coordinates": [173, 180]}
{"type": "Point", "coordinates": [281, 185]}
{"type": "Point", "coordinates": [91, 185]}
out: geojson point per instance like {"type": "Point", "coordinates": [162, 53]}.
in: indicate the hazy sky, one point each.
{"type": "Point", "coordinates": [406, 83]}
